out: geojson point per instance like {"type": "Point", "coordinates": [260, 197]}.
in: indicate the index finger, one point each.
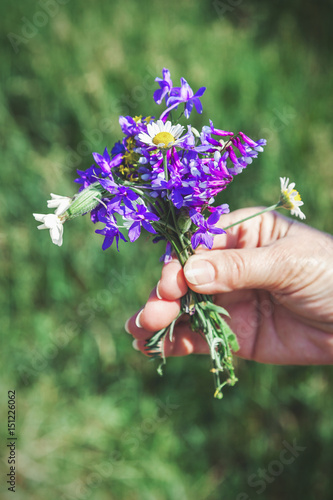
{"type": "Point", "coordinates": [172, 285]}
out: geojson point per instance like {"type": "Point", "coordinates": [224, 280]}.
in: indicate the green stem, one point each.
{"type": "Point", "coordinates": [269, 209]}
{"type": "Point", "coordinates": [182, 253]}
{"type": "Point", "coordinates": [165, 166]}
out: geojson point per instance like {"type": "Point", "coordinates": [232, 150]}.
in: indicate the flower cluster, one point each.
{"type": "Point", "coordinates": [157, 164]}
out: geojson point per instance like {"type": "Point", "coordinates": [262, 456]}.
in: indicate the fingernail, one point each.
{"type": "Point", "coordinates": [135, 345]}
{"type": "Point", "coordinates": [137, 319]}
{"type": "Point", "coordinates": [157, 292]}
{"type": "Point", "coordinates": [199, 272]}
{"type": "Point", "coordinates": [126, 326]}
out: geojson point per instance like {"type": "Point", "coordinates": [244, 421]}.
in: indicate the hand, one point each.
{"type": "Point", "coordinates": [275, 278]}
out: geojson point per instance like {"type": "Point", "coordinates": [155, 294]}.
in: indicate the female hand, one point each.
{"type": "Point", "coordinates": [275, 278]}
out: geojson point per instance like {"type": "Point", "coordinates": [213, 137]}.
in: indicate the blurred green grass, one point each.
{"type": "Point", "coordinates": [94, 418]}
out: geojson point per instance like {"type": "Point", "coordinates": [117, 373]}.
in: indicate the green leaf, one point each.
{"type": "Point", "coordinates": [232, 339]}
{"type": "Point", "coordinates": [160, 368]}
{"type": "Point", "coordinates": [213, 307]}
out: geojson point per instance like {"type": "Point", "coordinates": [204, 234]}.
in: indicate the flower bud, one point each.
{"type": "Point", "coordinates": [184, 222]}
{"type": "Point", "coordinates": [85, 201]}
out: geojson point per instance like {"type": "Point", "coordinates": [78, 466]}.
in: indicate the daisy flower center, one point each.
{"type": "Point", "coordinates": [163, 138]}
{"type": "Point", "coordinates": [289, 199]}
{"type": "Point", "coordinates": [297, 196]}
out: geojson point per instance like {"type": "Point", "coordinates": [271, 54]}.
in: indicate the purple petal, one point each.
{"type": "Point", "coordinates": [177, 198]}
{"type": "Point", "coordinates": [106, 155]}
{"type": "Point", "coordinates": [134, 231]}
{"type": "Point", "coordinates": [200, 92]}
{"type": "Point", "coordinates": [217, 230]}
{"type": "Point", "coordinates": [198, 105]}
{"type": "Point", "coordinates": [188, 109]}
{"type": "Point", "coordinates": [151, 216]}
{"type": "Point", "coordinates": [148, 227]}
{"type": "Point", "coordinates": [127, 202]}
{"type": "Point", "coordinates": [101, 162]}
{"type": "Point", "coordinates": [107, 242]}
{"type": "Point", "coordinates": [109, 185]}
{"type": "Point", "coordinates": [158, 96]}
{"type": "Point", "coordinates": [196, 240]}
{"type": "Point", "coordinates": [207, 240]}
{"type": "Point", "coordinates": [197, 218]}
{"type": "Point", "coordinates": [131, 195]}
{"type": "Point", "coordinates": [213, 218]}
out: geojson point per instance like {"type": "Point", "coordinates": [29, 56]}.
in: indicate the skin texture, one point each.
{"type": "Point", "coordinates": [274, 275]}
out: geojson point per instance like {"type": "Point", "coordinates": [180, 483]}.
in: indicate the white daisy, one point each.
{"type": "Point", "coordinates": [290, 198]}
{"type": "Point", "coordinates": [61, 203]}
{"type": "Point", "coordinates": [162, 135]}
{"type": "Point", "coordinates": [54, 224]}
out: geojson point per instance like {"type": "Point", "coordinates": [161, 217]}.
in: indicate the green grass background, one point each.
{"type": "Point", "coordinates": [94, 420]}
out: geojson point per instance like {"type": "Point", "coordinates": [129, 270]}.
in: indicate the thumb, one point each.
{"type": "Point", "coordinates": [219, 271]}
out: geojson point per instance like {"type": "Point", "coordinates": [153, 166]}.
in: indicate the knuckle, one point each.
{"type": "Point", "coordinates": [233, 269]}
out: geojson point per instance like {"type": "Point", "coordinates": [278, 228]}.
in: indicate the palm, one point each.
{"type": "Point", "coordinates": [270, 332]}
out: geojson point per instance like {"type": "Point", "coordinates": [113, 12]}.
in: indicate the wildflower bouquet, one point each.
{"type": "Point", "coordinates": [165, 180]}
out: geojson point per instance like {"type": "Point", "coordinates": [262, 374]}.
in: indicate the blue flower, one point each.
{"type": "Point", "coordinates": [165, 84]}
{"type": "Point", "coordinates": [128, 125]}
{"type": "Point", "coordinates": [185, 94]}
{"type": "Point", "coordinates": [178, 193]}
{"type": "Point", "coordinates": [206, 228]}
{"type": "Point", "coordinates": [118, 148]}
{"type": "Point", "coordinates": [110, 231]}
{"type": "Point", "coordinates": [88, 177]}
{"type": "Point", "coordinates": [138, 218]}
{"type": "Point", "coordinates": [122, 195]}
{"type": "Point", "coordinates": [105, 163]}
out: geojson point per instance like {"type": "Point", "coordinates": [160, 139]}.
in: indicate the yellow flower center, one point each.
{"type": "Point", "coordinates": [163, 138]}
{"type": "Point", "coordinates": [288, 201]}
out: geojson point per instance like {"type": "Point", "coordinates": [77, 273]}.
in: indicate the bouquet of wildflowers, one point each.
{"type": "Point", "coordinates": [164, 180]}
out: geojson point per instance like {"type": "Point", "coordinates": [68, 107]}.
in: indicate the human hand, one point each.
{"type": "Point", "coordinates": [275, 278]}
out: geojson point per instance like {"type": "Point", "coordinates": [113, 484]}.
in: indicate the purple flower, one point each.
{"type": "Point", "coordinates": [165, 84]}
{"type": "Point", "coordinates": [105, 163]}
{"type": "Point", "coordinates": [128, 125]}
{"type": "Point", "coordinates": [257, 146]}
{"type": "Point", "coordinates": [100, 212]}
{"type": "Point", "coordinates": [185, 94]}
{"type": "Point", "coordinates": [138, 218]}
{"type": "Point", "coordinates": [216, 131]}
{"type": "Point", "coordinates": [206, 228]}
{"type": "Point", "coordinates": [88, 177]}
{"type": "Point", "coordinates": [118, 148]}
{"type": "Point", "coordinates": [178, 193]}
{"type": "Point", "coordinates": [220, 210]}
{"type": "Point", "coordinates": [122, 194]}
{"type": "Point", "coordinates": [110, 231]}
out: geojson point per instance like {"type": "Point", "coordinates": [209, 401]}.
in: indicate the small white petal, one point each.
{"type": "Point", "coordinates": [63, 207]}
{"type": "Point", "coordinates": [39, 217]}
{"type": "Point", "coordinates": [145, 138]}
{"type": "Point", "coordinates": [160, 125]}
{"type": "Point", "coordinates": [61, 203]}
{"type": "Point", "coordinates": [56, 233]}
{"type": "Point", "coordinates": [217, 155]}
{"type": "Point", "coordinates": [167, 126]}
{"type": "Point", "coordinates": [54, 224]}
